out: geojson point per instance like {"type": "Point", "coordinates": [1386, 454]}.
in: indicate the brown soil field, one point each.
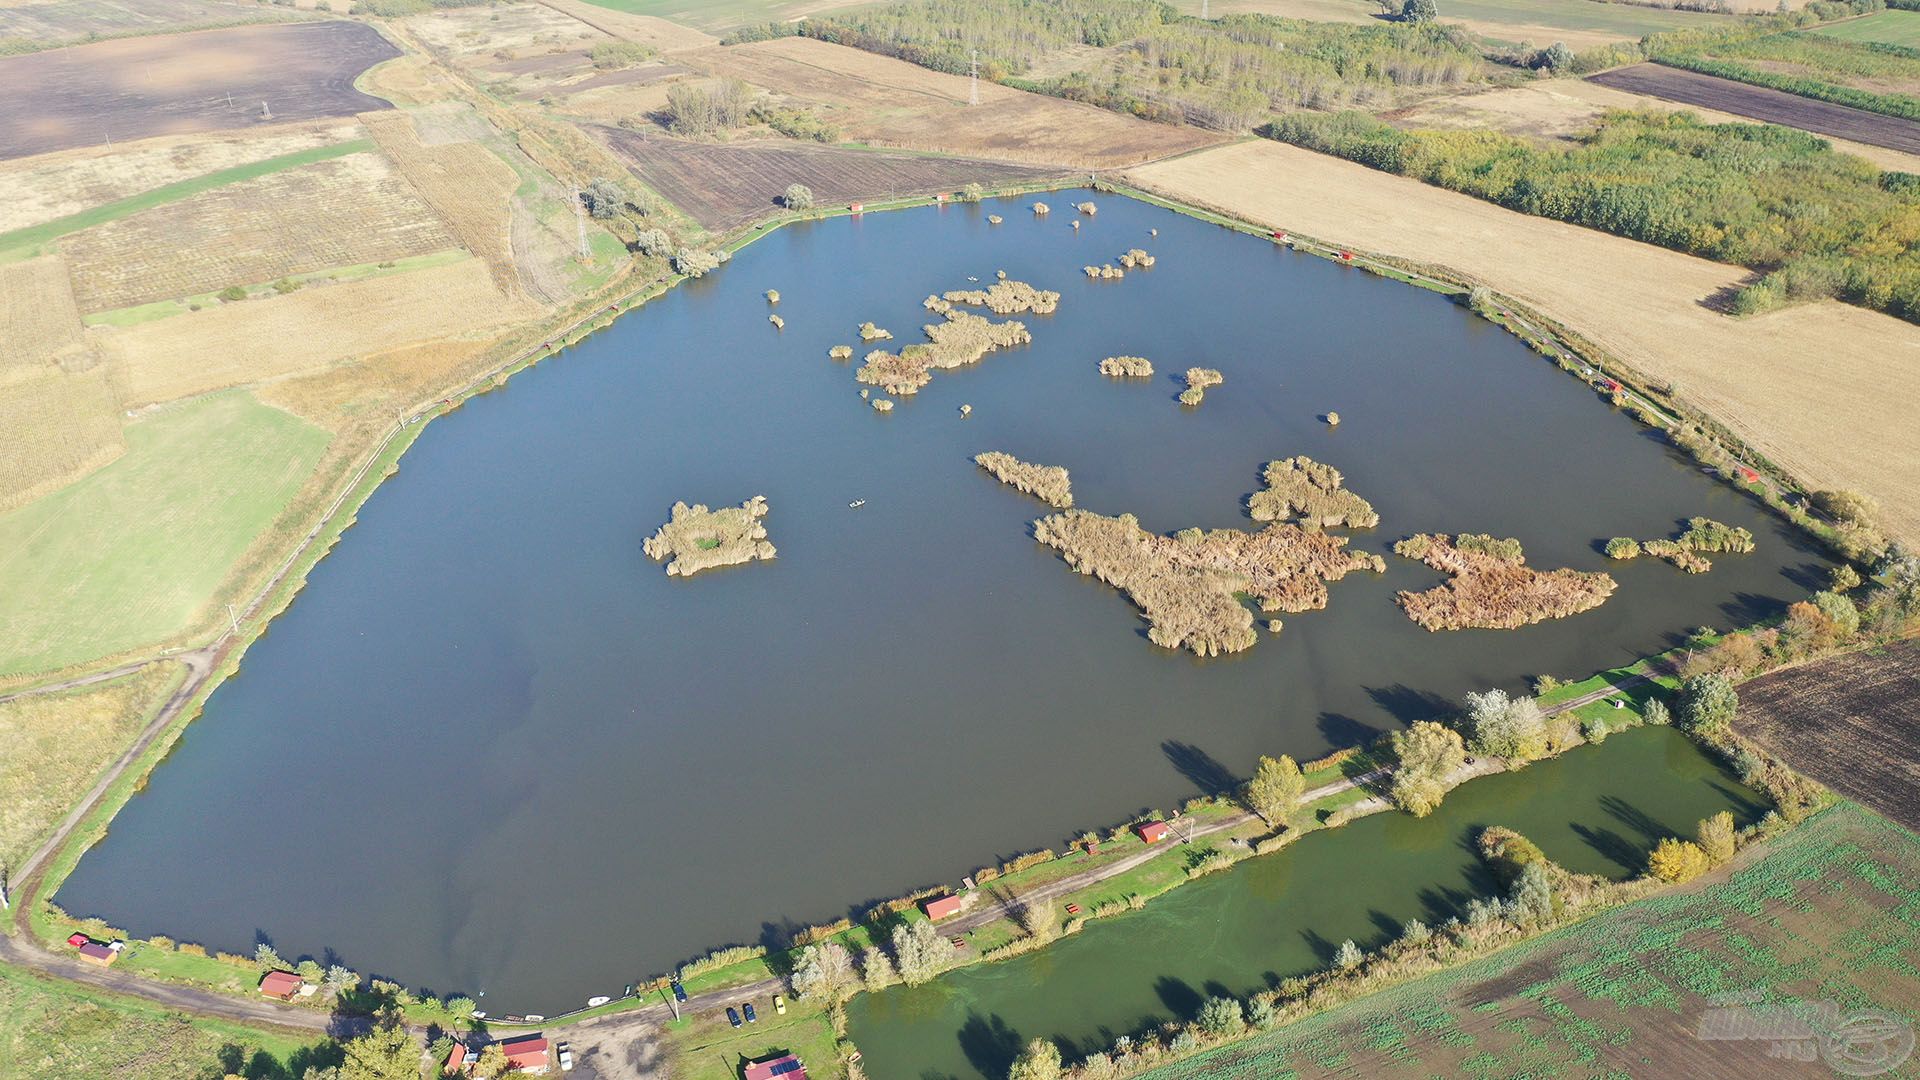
{"type": "Point", "coordinates": [668, 37]}
{"type": "Point", "coordinates": [55, 427]}
{"type": "Point", "coordinates": [1851, 722]}
{"type": "Point", "coordinates": [50, 186]}
{"type": "Point", "coordinates": [730, 184]}
{"type": "Point", "coordinates": [341, 212]}
{"type": "Point", "coordinates": [39, 321]}
{"type": "Point", "coordinates": [1821, 388]}
{"type": "Point", "coordinates": [1563, 109]}
{"type": "Point", "coordinates": [887, 102]}
{"type": "Point", "coordinates": [1761, 103]}
{"type": "Point", "coordinates": [52, 23]}
{"type": "Point", "coordinates": [465, 183]}
{"type": "Point", "coordinates": [140, 87]}
{"type": "Point", "coordinates": [238, 344]}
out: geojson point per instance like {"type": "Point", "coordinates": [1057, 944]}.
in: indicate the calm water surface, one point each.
{"type": "Point", "coordinates": [1596, 811]}
{"type": "Point", "coordinates": [493, 748]}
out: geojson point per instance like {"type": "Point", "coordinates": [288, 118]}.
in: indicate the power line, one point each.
{"type": "Point", "coordinates": [973, 80]}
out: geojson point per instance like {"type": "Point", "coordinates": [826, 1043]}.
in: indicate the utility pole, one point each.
{"type": "Point", "coordinates": [580, 223]}
{"type": "Point", "coordinates": [265, 113]}
{"type": "Point", "coordinates": [973, 80]}
{"type": "Point", "coordinates": [233, 620]}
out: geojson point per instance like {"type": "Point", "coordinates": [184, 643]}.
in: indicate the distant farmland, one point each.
{"type": "Point", "coordinates": [728, 185]}
{"type": "Point", "coordinates": [208, 81]}
{"type": "Point", "coordinates": [1852, 722]}
{"type": "Point", "coordinates": [1761, 103]}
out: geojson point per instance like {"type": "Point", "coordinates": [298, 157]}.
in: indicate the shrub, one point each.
{"type": "Point", "coordinates": [972, 193]}
{"type": "Point", "coordinates": [1556, 58]}
{"type": "Point", "coordinates": [1039, 1061]}
{"type": "Point", "coordinates": [1222, 1016]}
{"type": "Point", "coordinates": [1532, 902]}
{"type": "Point", "coordinates": [1677, 861]}
{"type": "Point", "coordinates": [1717, 837]}
{"type": "Point", "coordinates": [797, 197]}
{"type": "Point", "coordinates": [264, 956]}
{"type": "Point", "coordinates": [232, 293]}
{"type": "Point", "coordinates": [1415, 932]}
{"type": "Point", "coordinates": [1840, 610]}
{"type": "Point", "coordinates": [618, 54]}
{"type": "Point", "coordinates": [1348, 956]}
{"type": "Point", "coordinates": [653, 242]}
{"type": "Point", "coordinates": [1655, 712]}
{"type": "Point", "coordinates": [1707, 703]}
{"type": "Point", "coordinates": [1260, 1012]}
{"type": "Point", "coordinates": [1847, 507]}
{"type": "Point", "coordinates": [1844, 578]}
{"type": "Point", "coordinates": [697, 262]}
{"type": "Point", "coordinates": [703, 108]}
{"type": "Point", "coordinates": [603, 199]}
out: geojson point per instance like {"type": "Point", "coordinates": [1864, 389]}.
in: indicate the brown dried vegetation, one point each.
{"type": "Point", "coordinates": [1008, 298]}
{"type": "Point", "coordinates": [1049, 483]}
{"type": "Point", "coordinates": [1129, 367]}
{"type": "Point", "coordinates": [697, 538]}
{"type": "Point", "coordinates": [1492, 587]}
{"type": "Point", "coordinates": [1301, 489]}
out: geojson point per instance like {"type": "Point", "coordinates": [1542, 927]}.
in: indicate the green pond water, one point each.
{"type": "Point", "coordinates": [1595, 810]}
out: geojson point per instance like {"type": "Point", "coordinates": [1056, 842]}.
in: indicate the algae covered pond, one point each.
{"type": "Point", "coordinates": [493, 747]}
{"type": "Point", "coordinates": [1597, 810]}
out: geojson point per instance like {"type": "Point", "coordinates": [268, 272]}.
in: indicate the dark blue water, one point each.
{"type": "Point", "coordinates": [493, 748]}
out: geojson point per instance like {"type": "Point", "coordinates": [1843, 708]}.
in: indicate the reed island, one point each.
{"type": "Point", "coordinates": [1492, 586]}
{"type": "Point", "coordinates": [696, 538]}
{"type": "Point", "coordinates": [1302, 489]}
{"type": "Point", "coordinates": [1048, 483]}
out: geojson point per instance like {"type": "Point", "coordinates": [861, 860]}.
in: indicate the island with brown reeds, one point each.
{"type": "Point", "coordinates": [1302, 489]}
{"type": "Point", "coordinates": [1103, 273]}
{"type": "Point", "coordinates": [1198, 379]}
{"type": "Point", "coordinates": [1492, 587]}
{"type": "Point", "coordinates": [961, 340]}
{"type": "Point", "coordinates": [870, 332]}
{"type": "Point", "coordinates": [1189, 585]}
{"type": "Point", "coordinates": [1127, 367]}
{"type": "Point", "coordinates": [1006, 297]}
{"type": "Point", "coordinates": [1048, 483]}
{"type": "Point", "coordinates": [1136, 259]}
{"type": "Point", "coordinates": [1683, 551]}
{"type": "Point", "coordinates": [696, 538]}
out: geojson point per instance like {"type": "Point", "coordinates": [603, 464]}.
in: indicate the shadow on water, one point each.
{"type": "Point", "coordinates": [1199, 767]}
{"type": "Point", "coordinates": [1609, 845]}
{"type": "Point", "coordinates": [1180, 998]}
{"type": "Point", "coordinates": [989, 1044]}
{"type": "Point", "coordinates": [1341, 730]}
{"type": "Point", "coordinates": [1407, 705]}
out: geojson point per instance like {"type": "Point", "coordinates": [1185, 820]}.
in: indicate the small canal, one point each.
{"type": "Point", "coordinates": [1596, 810]}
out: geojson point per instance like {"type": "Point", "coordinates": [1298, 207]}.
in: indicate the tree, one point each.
{"type": "Point", "coordinates": [697, 262]}
{"type": "Point", "coordinates": [1841, 611]}
{"type": "Point", "coordinates": [491, 1062]}
{"type": "Point", "coordinates": [1260, 1012]}
{"type": "Point", "coordinates": [824, 971]}
{"type": "Point", "coordinates": [1847, 507]}
{"type": "Point", "coordinates": [1275, 788]}
{"type": "Point", "coordinates": [1415, 932]}
{"type": "Point", "coordinates": [797, 197]}
{"type": "Point", "coordinates": [876, 969]}
{"type": "Point", "coordinates": [706, 107]}
{"type": "Point", "coordinates": [1844, 578]}
{"type": "Point", "coordinates": [1717, 837]}
{"type": "Point", "coordinates": [1677, 860]}
{"type": "Point", "coordinates": [1532, 901]}
{"type": "Point", "coordinates": [385, 1053]}
{"type": "Point", "coordinates": [264, 955]}
{"type": "Point", "coordinates": [918, 950]}
{"type": "Point", "coordinates": [1500, 726]}
{"type": "Point", "coordinates": [1707, 703]}
{"type": "Point", "coordinates": [603, 199]}
{"type": "Point", "coordinates": [1222, 1016]}
{"type": "Point", "coordinates": [1039, 1061]}
{"type": "Point", "coordinates": [972, 193]}
{"type": "Point", "coordinates": [1556, 58]}
{"type": "Point", "coordinates": [1429, 755]}
{"type": "Point", "coordinates": [461, 1007]}
{"type": "Point", "coordinates": [653, 242]}
{"type": "Point", "coordinates": [1419, 11]}
{"type": "Point", "coordinates": [1656, 713]}
{"type": "Point", "coordinates": [1348, 956]}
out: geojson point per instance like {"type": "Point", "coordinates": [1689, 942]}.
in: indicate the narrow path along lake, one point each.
{"type": "Point", "coordinates": [494, 747]}
{"type": "Point", "coordinates": [1596, 810]}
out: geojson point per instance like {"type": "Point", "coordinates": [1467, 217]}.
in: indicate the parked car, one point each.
{"type": "Point", "coordinates": [779, 1005]}
{"type": "Point", "coordinates": [566, 1056]}
{"type": "Point", "coordinates": [679, 992]}
{"type": "Point", "coordinates": [733, 1016]}
{"type": "Point", "coordinates": [748, 1009]}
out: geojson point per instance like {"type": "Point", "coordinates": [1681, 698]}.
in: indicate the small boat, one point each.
{"type": "Point", "coordinates": [856, 504]}
{"type": "Point", "coordinates": [970, 277]}
{"type": "Point", "coordinates": [596, 1002]}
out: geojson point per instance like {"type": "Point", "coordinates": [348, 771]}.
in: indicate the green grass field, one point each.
{"type": "Point", "coordinates": [706, 1048]}
{"type": "Point", "coordinates": [1885, 27]}
{"type": "Point", "coordinates": [51, 1029]}
{"type": "Point", "coordinates": [1830, 912]}
{"type": "Point", "coordinates": [131, 554]}
{"type": "Point", "coordinates": [22, 243]}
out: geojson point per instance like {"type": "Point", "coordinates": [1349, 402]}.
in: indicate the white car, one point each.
{"type": "Point", "coordinates": [566, 1057]}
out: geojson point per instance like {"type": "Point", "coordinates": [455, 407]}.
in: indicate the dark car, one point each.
{"type": "Point", "coordinates": [679, 992]}
{"type": "Point", "coordinates": [748, 1009]}
{"type": "Point", "coordinates": [733, 1016]}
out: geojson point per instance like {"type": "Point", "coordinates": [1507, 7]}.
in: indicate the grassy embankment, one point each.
{"type": "Point", "coordinates": [1803, 917]}
{"type": "Point", "coordinates": [1883, 27]}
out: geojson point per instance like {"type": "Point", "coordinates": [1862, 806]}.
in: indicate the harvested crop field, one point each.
{"type": "Point", "coordinates": [238, 344]}
{"type": "Point", "coordinates": [1565, 109]}
{"type": "Point", "coordinates": [341, 212]}
{"type": "Point", "coordinates": [727, 185]}
{"type": "Point", "coordinates": [1822, 913]}
{"type": "Point", "coordinates": [1819, 388]}
{"type": "Point", "coordinates": [646, 29]}
{"type": "Point", "coordinates": [39, 321]}
{"type": "Point", "coordinates": [140, 87]}
{"type": "Point", "coordinates": [54, 429]}
{"type": "Point", "coordinates": [1761, 103]}
{"type": "Point", "coordinates": [1852, 722]}
{"type": "Point", "coordinates": [465, 183]}
{"type": "Point", "coordinates": [887, 102]}
{"type": "Point", "coordinates": [40, 189]}
{"type": "Point", "coordinates": [48, 24]}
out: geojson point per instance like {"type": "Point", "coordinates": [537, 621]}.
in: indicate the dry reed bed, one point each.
{"type": "Point", "coordinates": [697, 539]}
{"type": "Point", "coordinates": [1008, 298]}
{"type": "Point", "coordinates": [1302, 489]}
{"type": "Point", "coordinates": [1189, 585]}
{"type": "Point", "coordinates": [1049, 483]}
{"type": "Point", "coordinates": [1127, 367]}
{"type": "Point", "coordinates": [1492, 587]}
{"type": "Point", "coordinates": [963, 339]}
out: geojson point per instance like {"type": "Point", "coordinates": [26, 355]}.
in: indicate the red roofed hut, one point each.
{"type": "Point", "coordinates": [280, 984]}
{"type": "Point", "coordinates": [528, 1053]}
{"type": "Point", "coordinates": [457, 1059]}
{"type": "Point", "coordinates": [784, 1067]}
{"type": "Point", "coordinates": [77, 939]}
{"type": "Point", "coordinates": [1152, 831]}
{"type": "Point", "coordinates": [941, 907]}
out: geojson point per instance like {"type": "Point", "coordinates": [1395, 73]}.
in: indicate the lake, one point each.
{"type": "Point", "coordinates": [493, 748]}
{"type": "Point", "coordinates": [1597, 810]}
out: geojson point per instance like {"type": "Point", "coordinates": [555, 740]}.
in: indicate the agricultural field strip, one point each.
{"type": "Point", "coordinates": [1885, 27]}
{"type": "Point", "coordinates": [1765, 104]}
{"type": "Point", "coordinates": [24, 241]}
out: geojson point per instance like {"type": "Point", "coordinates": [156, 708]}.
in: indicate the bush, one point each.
{"type": "Point", "coordinates": [1707, 703]}
{"type": "Point", "coordinates": [695, 262]}
{"type": "Point", "coordinates": [653, 242]}
{"type": "Point", "coordinates": [797, 197]}
{"type": "Point", "coordinates": [232, 293]}
{"type": "Point", "coordinates": [1222, 1016]}
{"type": "Point", "coordinates": [1039, 1061]}
{"type": "Point", "coordinates": [1418, 11]}
{"type": "Point", "coordinates": [1847, 507]}
{"type": "Point", "coordinates": [1348, 956]}
{"type": "Point", "coordinates": [1655, 712]}
{"type": "Point", "coordinates": [603, 199]}
{"type": "Point", "coordinates": [1717, 837]}
{"type": "Point", "coordinates": [1677, 861]}
{"type": "Point", "coordinates": [703, 108]}
{"type": "Point", "coordinates": [1623, 547]}
{"type": "Point", "coordinates": [618, 54]}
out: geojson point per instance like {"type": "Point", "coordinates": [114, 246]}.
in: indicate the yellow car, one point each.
{"type": "Point", "coordinates": [779, 1005]}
